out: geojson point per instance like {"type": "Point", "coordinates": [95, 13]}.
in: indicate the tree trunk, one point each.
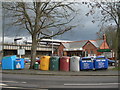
{"type": "Point", "coordinates": [116, 58]}
{"type": "Point", "coordinates": [33, 51]}
{"type": "Point", "coordinates": [118, 51]}
{"type": "Point", "coordinates": [118, 32]}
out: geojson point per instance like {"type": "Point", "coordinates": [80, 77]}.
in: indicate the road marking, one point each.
{"type": "Point", "coordinates": [23, 82]}
{"type": "Point", "coordinates": [90, 84]}
{"type": "Point", "coordinates": [2, 84]}
{"type": "Point", "coordinates": [7, 81]}
{"type": "Point", "coordinates": [24, 88]}
{"type": "Point", "coordinates": [11, 82]}
{"type": "Point", "coordinates": [11, 87]}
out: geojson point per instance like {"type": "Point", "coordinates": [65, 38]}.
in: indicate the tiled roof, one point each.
{"type": "Point", "coordinates": [75, 44]}
{"type": "Point", "coordinates": [96, 43]}
{"type": "Point", "coordinates": [80, 44]}
{"type": "Point", "coordinates": [66, 45]}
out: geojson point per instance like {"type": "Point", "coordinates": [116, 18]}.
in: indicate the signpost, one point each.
{"type": "Point", "coordinates": [21, 52]}
{"type": "Point", "coordinates": [104, 50]}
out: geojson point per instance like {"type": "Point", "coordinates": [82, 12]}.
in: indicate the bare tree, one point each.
{"type": "Point", "coordinates": [110, 32]}
{"type": "Point", "coordinates": [110, 12]}
{"type": "Point", "coordinates": [111, 35]}
{"type": "Point", "coordinates": [40, 18]}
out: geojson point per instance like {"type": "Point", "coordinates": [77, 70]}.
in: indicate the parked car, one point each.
{"type": "Point", "coordinates": [38, 61]}
{"type": "Point", "coordinates": [111, 62]}
{"type": "Point", "coordinates": [27, 60]}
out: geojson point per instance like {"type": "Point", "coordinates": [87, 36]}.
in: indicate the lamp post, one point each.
{"type": "Point", "coordinates": [3, 22]}
{"type": "Point", "coordinates": [52, 43]}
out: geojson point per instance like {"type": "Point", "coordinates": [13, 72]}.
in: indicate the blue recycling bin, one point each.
{"type": "Point", "coordinates": [8, 62]}
{"type": "Point", "coordinates": [19, 63]}
{"type": "Point", "coordinates": [86, 63]}
{"type": "Point", "coordinates": [100, 62]}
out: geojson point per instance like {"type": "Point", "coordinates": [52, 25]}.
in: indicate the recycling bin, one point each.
{"type": "Point", "coordinates": [36, 65]}
{"type": "Point", "coordinates": [44, 63]}
{"type": "Point", "coordinates": [54, 63]}
{"type": "Point", "coordinates": [8, 62]}
{"type": "Point", "coordinates": [86, 63]}
{"type": "Point", "coordinates": [74, 63]}
{"type": "Point", "coordinates": [100, 62]}
{"type": "Point", "coordinates": [19, 63]}
{"type": "Point", "coordinates": [64, 63]}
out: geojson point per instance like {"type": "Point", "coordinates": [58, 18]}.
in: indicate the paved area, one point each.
{"type": "Point", "coordinates": [46, 81]}
{"type": "Point", "coordinates": [108, 72]}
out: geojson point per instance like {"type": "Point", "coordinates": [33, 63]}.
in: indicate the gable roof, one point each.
{"type": "Point", "coordinates": [75, 44]}
{"type": "Point", "coordinates": [96, 43]}
{"type": "Point", "coordinates": [79, 44]}
{"type": "Point", "coordinates": [66, 45]}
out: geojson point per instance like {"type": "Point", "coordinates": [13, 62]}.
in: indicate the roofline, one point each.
{"type": "Point", "coordinates": [82, 41]}
{"type": "Point", "coordinates": [91, 43]}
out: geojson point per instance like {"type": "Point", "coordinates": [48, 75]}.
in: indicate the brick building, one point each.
{"type": "Point", "coordinates": [84, 48]}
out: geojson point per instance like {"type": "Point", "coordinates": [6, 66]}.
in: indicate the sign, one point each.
{"type": "Point", "coordinates": [104, 50]}
{"type": "Point", "coordinates": [21, 51]}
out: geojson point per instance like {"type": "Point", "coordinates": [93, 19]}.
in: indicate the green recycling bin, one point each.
{"type": "Point", "coordinates": [54, 63]}
{"type": "Point", "coordinates": [36, 65]}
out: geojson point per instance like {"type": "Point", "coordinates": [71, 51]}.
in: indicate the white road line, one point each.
{"type": "Point", "coordinates": [7, 81]}
{"type": "Point", "coordinates": [2, 84]}
{"type": "Point", "coordinates": [90, 84]}
{"type": "Point", "coordinates": [23, 82]}
{"type": "Point", "coordinates": [11, 87]}
{"type": "Point", "coordinates": [11, 82]}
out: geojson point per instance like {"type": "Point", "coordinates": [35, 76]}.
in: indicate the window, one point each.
{"type": "Point", "coordinates": [91, 52]}
{"type": "Point", "coordinates": [86, 52]}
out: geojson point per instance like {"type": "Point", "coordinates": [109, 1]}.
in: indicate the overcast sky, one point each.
{"type": "Point", "coordinates": [86, 30]}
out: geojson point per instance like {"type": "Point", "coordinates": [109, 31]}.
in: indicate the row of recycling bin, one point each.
{"type": "Point", "coordinates": [73, 63]}
{"type": "Point", "coordinates": [56, 63]}
{"type": "Point", "coordinates": [12, 62]}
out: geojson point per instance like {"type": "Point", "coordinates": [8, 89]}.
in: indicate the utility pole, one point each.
{"type": "Point", "coordinates": [52, 43]}
{"type": "Point", "coordinates": [1, 32]}
{"type": "Point", "coordinates": [3, 25]}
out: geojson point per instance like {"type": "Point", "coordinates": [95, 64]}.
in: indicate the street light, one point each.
{"type": "Point", "coordinates": [52, 43]}
{"type": "Point", "coordinates": [2, 32]}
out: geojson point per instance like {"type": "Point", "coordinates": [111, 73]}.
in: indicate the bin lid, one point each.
{"type": "Point", "coordinates": [86, 58]}
{"type": "Point", "coordinates": [54, 57]}
{"type": "Point", "coordinates": [36, 63]}
{"type": "Point", "coordinates": [65, 57]}
{"type": "Point", "coordinates": [100, 57]}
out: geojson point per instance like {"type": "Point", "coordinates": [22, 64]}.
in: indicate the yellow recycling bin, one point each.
{"type": "Point", "coordinates": [44, 63]}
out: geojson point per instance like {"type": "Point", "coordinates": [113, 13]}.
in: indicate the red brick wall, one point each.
{"type": "Point", "coordinates": [60, 50]}
{"type": "Point", "coordinates": [90, 47]}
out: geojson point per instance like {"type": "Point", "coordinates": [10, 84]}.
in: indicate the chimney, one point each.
{"type": "Point", "coordinates": [104, 37]}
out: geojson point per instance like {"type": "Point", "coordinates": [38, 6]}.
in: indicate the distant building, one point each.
{"type": "Point", "coordinates": [84, 48]}
{"type": "Point", "coordinates": [61, 47]}
{"type": "Point", "coordinates": [44, 47]}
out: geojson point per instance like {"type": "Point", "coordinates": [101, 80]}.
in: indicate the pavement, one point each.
{"type": "Point", "coordinates": [27, 71]}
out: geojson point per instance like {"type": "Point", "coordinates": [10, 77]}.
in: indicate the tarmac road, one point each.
{"type": "Point", "coordinates": [21, 81]}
